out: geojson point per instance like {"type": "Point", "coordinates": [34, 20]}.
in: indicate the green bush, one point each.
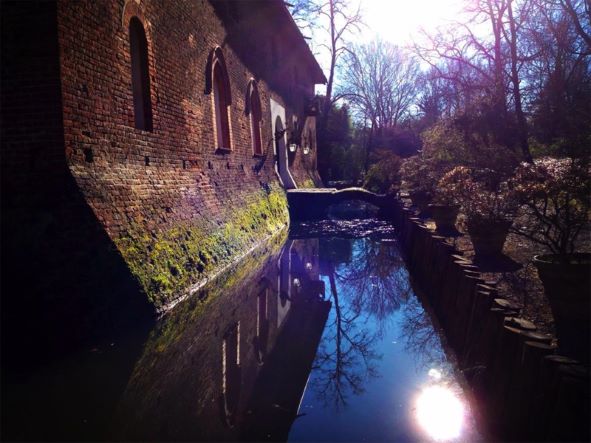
{"type": "Point", "coordinates": [384, 175]}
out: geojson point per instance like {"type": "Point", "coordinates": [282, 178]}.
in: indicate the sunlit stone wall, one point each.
{"type": "Point", "coordinates": [169, 185]}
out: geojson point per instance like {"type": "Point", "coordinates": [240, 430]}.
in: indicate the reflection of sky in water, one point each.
{"type": "Point", "coordinates": [380, 372]}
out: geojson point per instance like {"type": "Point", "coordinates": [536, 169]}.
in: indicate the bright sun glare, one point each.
{"type": "Point", "coordinates": [440, 413]}
{"type": "Point", "coordinates": [400, 20]}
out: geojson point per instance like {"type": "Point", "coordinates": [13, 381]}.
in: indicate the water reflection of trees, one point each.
{"type": "Point", "coordinates": [368, 287]}
{"type": "Point", "coordinates": [376, 279]}
{"type": "Point", "coordinates": [421, 337]}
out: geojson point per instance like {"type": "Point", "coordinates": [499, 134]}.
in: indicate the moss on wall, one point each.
{"type": "Point", "coordinates": [308, 183]}
{"type": "Point", "coordinates": [238, 280]}
{"type": "Point", "coordinates": [167, 263]}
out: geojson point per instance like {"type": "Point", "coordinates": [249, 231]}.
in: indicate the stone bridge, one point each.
{"type": "Point", "coordinates": [312, 203]}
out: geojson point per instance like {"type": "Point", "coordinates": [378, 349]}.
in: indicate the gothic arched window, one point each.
{"type": "Point", "coordinates": [253, 109]}
{"type": "Point", "coordinates": [222, 99]}
{"type": "Point", "coordinates": [140, 76]}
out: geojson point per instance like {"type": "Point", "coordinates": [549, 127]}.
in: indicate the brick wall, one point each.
{"type": "Point", "coordinates": [87, 197]}
{"type": "Point", "coordinates": [62, 278]}
{"type": "Point", "coordinates": [185, 178]}
{"type": "Point", "coordinates": [139, 182]}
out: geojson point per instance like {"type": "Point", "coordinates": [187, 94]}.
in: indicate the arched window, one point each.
{"type": "Point", "coordinates": [219, 86]}
{"type": "Point", "coordinates": [253, 109]}
{"type": "Point", "coordinates": [140, 77]}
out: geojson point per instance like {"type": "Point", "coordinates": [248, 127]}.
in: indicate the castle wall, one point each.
{"type": "Point", "coordinates": [176, 209]}
{"type": "Point", "coordinates": [101, 220]}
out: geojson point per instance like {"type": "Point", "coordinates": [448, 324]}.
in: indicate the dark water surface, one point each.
{"type": "Point", "coordinates": [315, 337]}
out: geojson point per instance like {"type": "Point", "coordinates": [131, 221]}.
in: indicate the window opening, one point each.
{"type": "Point", "coordinates": [140, 77]}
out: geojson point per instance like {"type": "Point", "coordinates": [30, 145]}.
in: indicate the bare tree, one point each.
{"type": "Point", "coordinates": [558, 75]}
{"type": "Point", "coordinates": [380, 81]}
{"type": "Point", "coordinates": [580, 13]}
{"type": "Point", "coordinates": [494, 60]}
{"type": "Point", "coordinates": [335, 21]}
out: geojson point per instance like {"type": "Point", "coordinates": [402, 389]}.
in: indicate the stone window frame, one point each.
{"type": "Point", "coordinates": [253, 110]}
{"type": "Point", "coordinates": [218, 87]}
{"type": "Point", "coordinates": [131, 11]}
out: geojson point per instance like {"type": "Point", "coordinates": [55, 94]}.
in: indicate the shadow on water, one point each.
{"type": "Point", "coordinates": [230, 363]}
{"type": "Point", "coordinates": [318, 336]}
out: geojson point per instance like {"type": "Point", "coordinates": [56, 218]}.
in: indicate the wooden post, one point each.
{"type": "Point", "coordinates": [568, 419]}
{"type": "Point", "coordinates": [463, 308]}
{"type": "Point", "coordinates": [473, 349]}
{"type": "Point", "coordinates": [527, 398]}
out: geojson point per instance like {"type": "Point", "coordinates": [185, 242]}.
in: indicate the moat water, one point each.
{"type": "Point", "coordinates": [318, 336]}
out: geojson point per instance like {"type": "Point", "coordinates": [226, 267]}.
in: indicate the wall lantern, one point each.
{"type": "Point", "coordinates": [292, 147]}
{"type": "Point", "coordinates": [306, 150]}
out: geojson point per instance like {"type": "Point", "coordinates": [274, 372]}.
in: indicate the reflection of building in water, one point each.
{"type": "Point", "coordinates": [262, 335]}
{"type": "Point", "coordinates": [281, 382]}
{"type": "Point", "coordinates": [283, 301]}
{"type": "Point", "coordinates": [236, 368]}
{"type": "Point", "coordinates": [231, 372]}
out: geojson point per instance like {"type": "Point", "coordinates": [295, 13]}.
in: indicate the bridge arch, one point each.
{"type": "Point", "coordinates": [314, 203]}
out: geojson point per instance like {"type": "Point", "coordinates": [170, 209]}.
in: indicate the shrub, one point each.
{"type": "Point", "coordinates": [384, 175]}
{"type": "Point", "coordinates": [481, 195]}
{"type": "Point", "coordinates": [418, 174]}
{"type": "Point", "coordinates": [555, 194]}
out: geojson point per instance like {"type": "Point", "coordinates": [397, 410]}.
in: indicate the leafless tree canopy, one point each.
{"type": "Point", "coordinates": [512, 74]}
{"type": "Point", "coordinates": [380, 81]}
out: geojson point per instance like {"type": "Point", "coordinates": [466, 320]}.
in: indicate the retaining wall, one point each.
{"type": "Point", "coordinates": [524, 389]}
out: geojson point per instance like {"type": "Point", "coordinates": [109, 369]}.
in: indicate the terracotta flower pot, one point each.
{"type": "Point", "coordinates": [488, 238]}
{"type": "Point", "coordinates": [567, 284]}
{"type": "Point", "coordinates": [444, 216]}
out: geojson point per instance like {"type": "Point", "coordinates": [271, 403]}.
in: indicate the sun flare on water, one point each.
{"type": "Point", "coordinates": [440, 413]}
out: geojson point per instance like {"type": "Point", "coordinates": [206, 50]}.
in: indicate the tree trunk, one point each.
{"type": "Point", "coordinates": [333, 58]}
{"type": "Point", "coordinates": [521, 122]}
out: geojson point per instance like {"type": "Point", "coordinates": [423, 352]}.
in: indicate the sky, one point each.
{"type": "Point", "coordinates": [397, 21]}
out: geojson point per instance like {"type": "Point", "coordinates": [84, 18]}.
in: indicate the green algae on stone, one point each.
{"type": "Point", "coordinates": [238, 279]}
{"type": "Point", "coordinates": [168, 262]}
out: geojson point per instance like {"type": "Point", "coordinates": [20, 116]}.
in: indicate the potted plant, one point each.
{"type": "Point", "coordinates": [555, 198]}
{"type": "Point", "coordinates": [444, 209]}
{"type": "Point", "coordinates": [486, 202]}
{"type": "Point", "coordinates": [419, 180]}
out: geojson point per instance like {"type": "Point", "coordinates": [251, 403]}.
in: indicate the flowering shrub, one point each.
{"type": "Point", "coordinates": [555, 194]}
{"type": "Point", "coordinates": [482, 197]}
